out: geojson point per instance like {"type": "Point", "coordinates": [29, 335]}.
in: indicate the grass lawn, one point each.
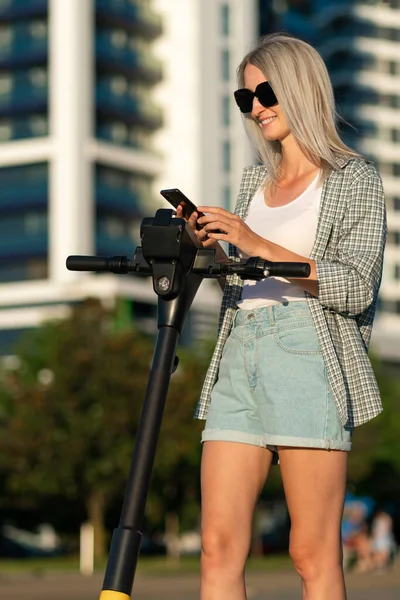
{"type": "Point", "coordinates": [147, 565]}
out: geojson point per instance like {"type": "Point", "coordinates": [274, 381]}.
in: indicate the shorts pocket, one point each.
{"type": "Point", "coordinates": [298, 339]}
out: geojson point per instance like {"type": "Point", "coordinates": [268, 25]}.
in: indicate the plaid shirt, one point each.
{"type": "Point", "coordinates": [348, 251]}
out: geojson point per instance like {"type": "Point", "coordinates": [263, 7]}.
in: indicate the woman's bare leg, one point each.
{"type": "Point", "coordinates": [314, 483]}
{"type": "Point", "coordinates": [232, 477]}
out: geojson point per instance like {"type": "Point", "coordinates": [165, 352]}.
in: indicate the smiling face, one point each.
{"type": "Point", "coordinates": [271, 120]}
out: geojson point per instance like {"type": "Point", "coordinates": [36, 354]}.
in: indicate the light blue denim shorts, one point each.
{"type": "Point", "coordinates": [272, 388]}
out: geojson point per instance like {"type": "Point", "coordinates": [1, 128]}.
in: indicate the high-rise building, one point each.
{"type": "Point", "coordinates": [360, 43]}
{"type": "Point", "coordinates": [203, 140]}
{"type": "Point", "coordinates": [94, 120]}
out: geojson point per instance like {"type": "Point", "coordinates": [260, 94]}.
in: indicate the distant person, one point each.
{"type": "Point", "coordinates": [383, 543]}
{"type": "Point", "coordinates": [290, 375]}
{"type": "Point", "coordinates": [360, 541]}
{"type": "Point", "coordinates": [356, 537]}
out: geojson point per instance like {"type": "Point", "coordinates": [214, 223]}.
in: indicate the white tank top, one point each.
{"type": "Point", "coordinates": [292, 226]}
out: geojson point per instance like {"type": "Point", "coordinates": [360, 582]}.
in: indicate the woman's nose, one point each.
{"type": "Point", "coordinates": [257, 108]}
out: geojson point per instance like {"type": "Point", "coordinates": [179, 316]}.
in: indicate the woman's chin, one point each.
{"type": "Point", "coordinates": [270, 136]}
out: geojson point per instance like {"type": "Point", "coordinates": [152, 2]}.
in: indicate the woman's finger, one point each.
{"type": "Point", "coordinates": [219, 227]}
{"type": "Point", "coordinates": [215, 210]}
{"type": "Point", "coordinates": [192, 220]}
{"type": "Point", "coordinates": [215, 222]}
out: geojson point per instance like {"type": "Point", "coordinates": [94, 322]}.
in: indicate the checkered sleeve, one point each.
{"type": "Point", "coordinates": [350, 283]}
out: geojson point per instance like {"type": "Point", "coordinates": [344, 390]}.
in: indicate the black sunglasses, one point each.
{"type": "Point", "coordinates": [264, 94]}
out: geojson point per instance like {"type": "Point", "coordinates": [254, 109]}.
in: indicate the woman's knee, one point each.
{"type": "Point", "coordinates": [312, 558]}
{"type": "Point", "coordinates": [222, 548]}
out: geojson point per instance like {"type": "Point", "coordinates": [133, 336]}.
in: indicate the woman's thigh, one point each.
{"type": "Point", "coordinates": [315, 484]}
{"type": "Point", "coordinates": [232, 477]}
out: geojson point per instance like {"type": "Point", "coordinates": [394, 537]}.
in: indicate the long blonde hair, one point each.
{"type": "Point", "coordinates": [300, 80]}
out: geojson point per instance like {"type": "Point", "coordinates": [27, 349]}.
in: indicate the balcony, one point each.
{"type": "Point", "coordinates": [23, 44]}
{"type": "Point", "coordinates": [23, 91]}
{"type": "Point", "coordinates": [121, 202]}
{"type": "Point", "coordinates": [299, 25]}
{"type": "Point", "coordinates": [133, 15]}
{"type": "Point", "coordinates": [117, 52]}
{"type": "Point", "coordinates": [21, 245]}
{"type": "Point", "coordinates": [11, 10]}
{"type": "Point", "coordinates": [118, 98]}
{"type": "Point", "coordinates": [348, 61]}
{"type": "Point", "coordinates": [23, 270]}
{"type": "Point", "coordinates": [106, 246]}
{"type": "Point", "coordinates": [120, 193]}
{"type": "Point", "coordinates": [23, 188]}
{"type": "Point", "coordinates": [118, 133]}
{"type": "Point", "coordinates": [23, 234]}
{"type": "Point", "coordinates": [23, 128]}
{"type": "Point", "coordinates": [114, 235]}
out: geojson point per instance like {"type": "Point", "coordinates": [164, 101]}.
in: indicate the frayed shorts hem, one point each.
{"type": "Point", "coordinates": [272, 441]}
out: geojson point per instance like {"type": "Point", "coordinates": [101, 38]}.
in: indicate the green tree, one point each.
{"type": "Point", "coordinates": [71, 410]}
{"type": "Point", "coordinates": [374, 462]}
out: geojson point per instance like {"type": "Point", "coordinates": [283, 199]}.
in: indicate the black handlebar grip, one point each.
{"type": "Point", "coordinates": [289, 269]}
{"type": "Point", "coordinates": [113, 264]}
{"type": "Point", "coordinates": [87, 263]}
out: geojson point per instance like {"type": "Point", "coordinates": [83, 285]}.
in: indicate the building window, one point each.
{"type": "Point", "coordinates": [397, 272]}
{"type": "Point", "coordinates": [38, 77]}
{"type": "Point", "coordinates": [225, 58]}
{"type": "Point", "coordinates": [396, 203]}
{"type": "Point", "coordinates": [226, 156]}
{"type": "Point", "coordinates": [388, 306]}
{"type": "Point", "coordinates": [6, 84]}
{"type": "Point", "coordinates": [395, 135]}
{"type": "Point", "coordinates": [35, 223]}
{"type": "Point", "coordinates": [226, 110]}
{"type": "Point", "coordinates": [393, 238]}
{"type": "Point", "coordinates": [225, 19]}
{"type": "Point", "coordinates": [114, 227]}
{"type": "Point", "coordinates": [227, 196]}
{"type": "Point", "coordinates": [6, 131]}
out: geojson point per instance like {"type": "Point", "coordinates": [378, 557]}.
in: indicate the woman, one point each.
{"type": "Point", "coordinates": [290, 373]}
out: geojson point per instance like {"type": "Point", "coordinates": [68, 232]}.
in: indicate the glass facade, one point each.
{"type": "Point", "coordinates": [126, 72]}
{"type": "Point", "coordinates": [121, 200]}
{"type": "Point", "coordinates": [23, 115]}
{"type": "Point", "coordinates": [126, 116]}
{"type": "Point", "coordinates": [23, 222]}
{"type": "Point", "coordinates": [225, 17]}
{"type": "Point", "coordinates": [23, 69]}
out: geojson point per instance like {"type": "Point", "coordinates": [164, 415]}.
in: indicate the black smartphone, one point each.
{"type": "Point", "coordinates": [178, 198]}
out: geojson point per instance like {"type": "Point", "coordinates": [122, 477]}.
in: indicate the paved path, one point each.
{"type": "Point", "coordinates": [261, 586]}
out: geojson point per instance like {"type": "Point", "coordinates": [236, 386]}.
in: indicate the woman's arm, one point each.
{"type": "Point", "coordinates": [252, 244]}
{"type": "Point", "coordinates": [350, 283]}
{"type": "Point", "coordinates": [279, 254]}
{"type": "Point", "coordinates": [347, 284]}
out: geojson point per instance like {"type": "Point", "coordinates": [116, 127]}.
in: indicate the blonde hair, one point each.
{"type": "Point", "coordinates": [300, 80]}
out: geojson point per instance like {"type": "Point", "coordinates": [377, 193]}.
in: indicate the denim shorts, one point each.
{"type": "Point", "coordinates": [272, 388]}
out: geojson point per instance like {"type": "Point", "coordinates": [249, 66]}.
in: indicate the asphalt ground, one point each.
{"type": "Point", "coordinates": [279, 585]}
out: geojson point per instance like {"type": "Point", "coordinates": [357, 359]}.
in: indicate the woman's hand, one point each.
{"type": "Point", "coordinates": [233, 230]}
{"type": "Point", "coordinates": [200, 233]}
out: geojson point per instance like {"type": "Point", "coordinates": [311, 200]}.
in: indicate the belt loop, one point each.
{"type": "Point", "coordinates": [271, 314]}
